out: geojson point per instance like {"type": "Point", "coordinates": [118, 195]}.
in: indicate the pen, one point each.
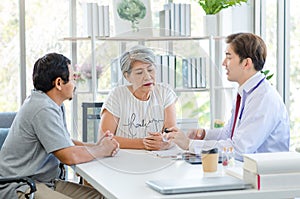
{"type": "Point", "coordinates": [166, 130]}
{"type": "Point", "coordinates": [105, 135]}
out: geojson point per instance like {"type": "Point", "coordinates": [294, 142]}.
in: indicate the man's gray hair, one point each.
{"type": "Point", "coordinates": [136, 53]}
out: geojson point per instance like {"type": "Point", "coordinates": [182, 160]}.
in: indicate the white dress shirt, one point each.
{"type": "Point", "coordinates": [262, 124]}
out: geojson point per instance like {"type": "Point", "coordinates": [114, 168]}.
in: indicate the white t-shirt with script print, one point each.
{"type": "Point", "coordinates": [137, 118]}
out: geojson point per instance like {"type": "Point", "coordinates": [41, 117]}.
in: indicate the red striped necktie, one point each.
{"type": "Point", "coordinates": [237, 107]}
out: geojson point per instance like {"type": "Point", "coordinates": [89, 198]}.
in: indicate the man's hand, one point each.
{"type": "Point", "coordinates": [108, 144]}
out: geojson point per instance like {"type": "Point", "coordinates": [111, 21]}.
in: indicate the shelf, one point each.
{"type": "Point", "coordinates": [140, 38]}
{"type": "Point", "coordinates": [191, 89]}
{"type": "Point", "coordinates": [75, 38]}
{"type": "Point", "coordinates": [224, 87]}
{"type": "Point", "coordinates": [209, 42]}
{"type": "Point", "coordinates": [105, 92]}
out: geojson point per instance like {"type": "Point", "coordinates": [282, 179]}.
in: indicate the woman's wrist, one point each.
{"type": "Point", "coordinates": [203, 133]}
{"type": "Point", "coordinates": [200, 134]}
{"type": "Point", "coordinates": [187, 145]}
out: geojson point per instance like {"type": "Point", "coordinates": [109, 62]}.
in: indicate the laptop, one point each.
{"type": "Point", "coordinates": [205, 184]}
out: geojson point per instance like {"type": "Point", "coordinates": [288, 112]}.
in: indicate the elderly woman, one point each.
{"type": "Point", "coordinates": [137, 113]}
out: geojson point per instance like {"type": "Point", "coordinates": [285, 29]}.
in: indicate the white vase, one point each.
{"type": "Point", "coordinates": [210, 25]}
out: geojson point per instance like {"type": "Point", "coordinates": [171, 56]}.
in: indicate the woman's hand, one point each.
{"type": "Point", "coordinates": [156, 141]}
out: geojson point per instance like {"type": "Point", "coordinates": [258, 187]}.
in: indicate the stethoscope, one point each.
{"type": "Point", "coordinates": [246, 95]}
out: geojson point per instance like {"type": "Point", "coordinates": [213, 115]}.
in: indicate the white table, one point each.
{"type": "Point", "coordinates": [124, 176]}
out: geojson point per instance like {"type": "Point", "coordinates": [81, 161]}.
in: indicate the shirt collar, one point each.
{"type": "Point", "coordinates": [40, 93]}
{"type": "Point", "coordinates": [250, 83]}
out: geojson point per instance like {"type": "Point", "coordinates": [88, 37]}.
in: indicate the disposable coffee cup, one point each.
{"type": "Point", "coordinates": [210, 160]}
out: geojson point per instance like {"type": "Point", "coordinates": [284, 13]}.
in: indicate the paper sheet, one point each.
{"type": "Point", "coordinates": [173, 152]}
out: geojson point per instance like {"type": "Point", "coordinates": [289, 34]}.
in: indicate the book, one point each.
{"type": "Point", "coordinates": [106, 21]}
{"type": "Point", "coordinates": [198, 72]}
{"type": "Point", "coordinates": [171, 8]}
{"type": "Point", "coordinates": [185, 65]}
{"type": "Point", "coordinates": [203, 72]}
{"type": "Point", "coordinates": [182, 8]}
{"type": "Point", "coordinates": [87, 19]}
{"type": "Point", "coordinates": [189, 73]}
{"type": "Point", "coordinates": [193, 72]}
{"type": "Point", "coordinates": [178, 72]}
{"type": "Point", "coordinates": [165, 68]}
{"type": "Point", "coordinates": [188, 20]}
{"type": "Point", "coordinates": [158, 68]}
{"type": "Point", "coordinates": [101, 20]}
{"type": "Point", "coordinates": [95, 19]}
{"type": "Point", "coordinates": [235, 171]}
{"type": "Point", "coordinates": [272, 163]}
{"type": "Point", "coordinates": [172, 71]}
{"type": "Point", "coordinates": [271, 181]}
{"type": "Point", "coordinates": [177, 19]}
{"type": "Point", "coordinates": [164, 22]}
{"type": "Point", "coordinates": [167, 23]}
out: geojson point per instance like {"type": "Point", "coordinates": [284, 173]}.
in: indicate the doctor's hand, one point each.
{"type": "Point", "coordinates": [156, 141]}
{"type": "Point", "coordinates": [196, 134]}
{"type": "Point", "coordinates": [178, 137]}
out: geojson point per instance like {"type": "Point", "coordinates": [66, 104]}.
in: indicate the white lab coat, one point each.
{"type": "Point", "coordinates": [262, 124]}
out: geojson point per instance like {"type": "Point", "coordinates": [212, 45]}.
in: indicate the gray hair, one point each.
{"type": "Point", "coordinates": [136, 53]}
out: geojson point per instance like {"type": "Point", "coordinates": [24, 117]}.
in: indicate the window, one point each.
{"type": "Point", "coordinates": [294, 66]}
{"type": "Point", "coordinates": [283, 55]}
{"type": "Point", "coordinates": [9, 56]}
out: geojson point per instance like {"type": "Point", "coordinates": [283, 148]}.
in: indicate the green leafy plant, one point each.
{"type": "Point", "coordinates": [212, 7]}
{"type": "Point", "coordinates": [133, 11]}
{"type": "Point", "coordinates": [266, 72]}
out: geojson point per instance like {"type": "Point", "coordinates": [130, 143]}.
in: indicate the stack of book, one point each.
{"type": "Point", "coordinates": [170, 69]}
{"type": "Point", "coordinates": [272, 170]}
{"type": "Point", "coordinates": [194, 72]}
{"type": "Point", "coordinates": [96, 19]}
{"type": "Point", "coordinates": [166, 69]}
{"type": "Point", "coordinates": [175, 20]}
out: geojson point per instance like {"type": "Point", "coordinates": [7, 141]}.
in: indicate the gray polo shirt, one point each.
{"type": "Point", "coordinates": [38, 130]}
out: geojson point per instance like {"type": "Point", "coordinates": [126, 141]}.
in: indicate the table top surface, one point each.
{"type": "Point", "coordinates": [125, 176]}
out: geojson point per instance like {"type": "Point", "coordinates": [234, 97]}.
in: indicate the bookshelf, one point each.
{"type": "Point", "coordinates": [123, 44]}
{"type": "Point", "coordinates": [168, 43]}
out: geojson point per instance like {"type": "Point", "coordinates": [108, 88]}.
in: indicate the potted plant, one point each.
{"type": "Point", "coordinates": [213, 7]}
{"type": "Point", "coordinates": [266, 73]}
{"type": "Point", "coordinates": [83, 73]}
{"type": "Point", "coordinates": [86, 70]}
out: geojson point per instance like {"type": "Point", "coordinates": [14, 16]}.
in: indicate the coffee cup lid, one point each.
{"type": "Point", "coordinates": [214, 150]}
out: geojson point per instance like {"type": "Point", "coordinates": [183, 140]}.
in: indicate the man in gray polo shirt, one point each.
{"type": "Point", "coordinates": [39, 140]}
